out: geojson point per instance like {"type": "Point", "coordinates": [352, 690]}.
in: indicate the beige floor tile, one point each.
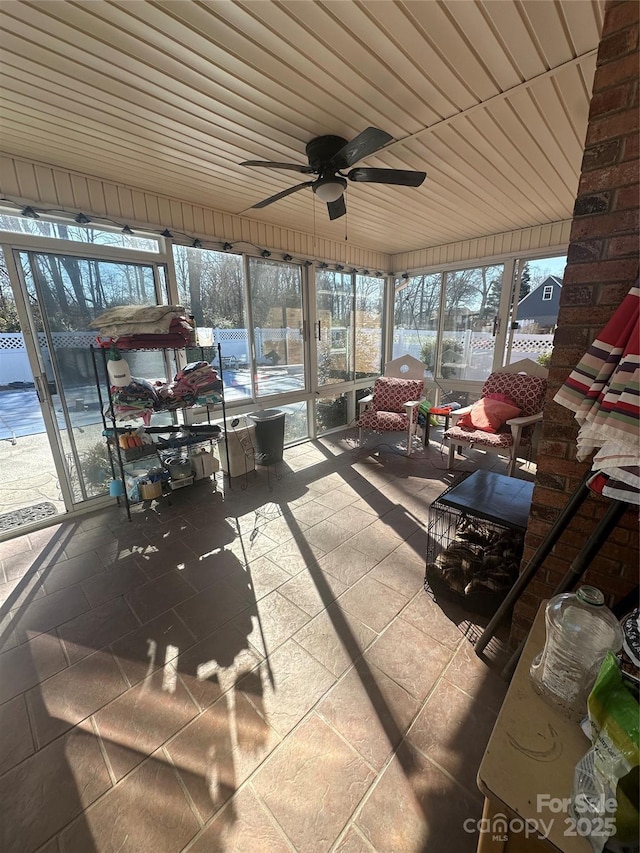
{"type": "Point", "coordinates": [376, 540]}
{"type": "Point", "coordinates": [472, 675]}
{"type": "Point", "coordinates": [209, 569]}
{"type": "Point", "coordinates": [283, 528]}
{"type": "Point", "coordinates": [160, 557]}
{"type": "Point", "coordinates": [214, 665]}
{"type": "Point", "coordinates": [335, 638]}
{"type": "Point", "coordinates": [353, 842]}
{"type": "Point", "coordinates": [151, 646]}
{"type": "Point", "coordinates": [153, 598]}
{"type": "Point", "coordinates": [423, 613]}
{"type": "Point", "coordinates": [418, 671]}
{"type": "Point", "coordinates": [73, 570]}
{"type": "Point", "coordinates": [151, 790]}
{"type": "Point", "coordinates": [265, 576]}
{"type": "Point", "coordinates": [272, 621]}
{"type": "Point", "coordinates": [347, 564]}
{"type": "Point", "coordinates": [215, 605]}
{"type": "Point", "coordinates": [286, 686]}
{"type": "Point", "coordinates": [415, 807]}
{"type": "Point", "coordinates": [453, 731]}
{"type": "Point", "coordinates": [337, 498]}
{"type": "Point", "coordinates": [120, 578]}
{"type": "Point", "coordinates": [71, 695]}
{"type": "Point", "coordinates": [402, 570]}
{"type": "Point", "coordinates": [42, 794]}
{"type": "Point", "coordinates": [372, 602]}
{"type": "Point", "coordinates": [327, 535]}
{"type": "Point", "coordinates": [242, 826]}
{"type": "Point", "coordinates": [47, 613]}
{"type": "Point", "coordinates": [19, 591]}
{"type": "Point", "coordinates": [16, 742]}
{"type": "Point", "coordinates": [135, 724]}
{"type": "Point", "coordinates": [312, 513]}
{"type": "Point", "coordinates": [353, 518]}
{"type": "Point", "coordinates": [313, 766]}
{"type": "Point", "coordinates": [296, 554]}
{"type": "Point", "coordinates": [370, 711]}
{"type": "Point", "coordinates": [28, 663]}
{"type": "Point", "coordinates": [219, 750]}
{"type": "Point", "coordinates": [97, 628]}
{"type": "Point", "coordinates": [313, 590]}
{"type": "Point", "coordinates": [253, 740]}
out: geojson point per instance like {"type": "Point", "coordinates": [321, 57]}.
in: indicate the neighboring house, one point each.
{"type": "Point", "coordinates": [541, 305]}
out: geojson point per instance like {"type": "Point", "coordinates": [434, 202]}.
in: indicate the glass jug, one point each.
{"type": "Point", "coordinates": [580, 631]}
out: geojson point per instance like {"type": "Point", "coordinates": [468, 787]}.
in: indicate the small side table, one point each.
{"type": "Point", "coordinates": [442, 411]}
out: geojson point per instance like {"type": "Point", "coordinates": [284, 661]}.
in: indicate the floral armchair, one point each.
{"type": "Point", "coordinates": [393, 406]}
{"type": "Point", "coordinates": [525, 385]}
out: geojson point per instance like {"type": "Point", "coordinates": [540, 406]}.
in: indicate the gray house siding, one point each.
{"type": "Point", "coordinates": [542, 311]}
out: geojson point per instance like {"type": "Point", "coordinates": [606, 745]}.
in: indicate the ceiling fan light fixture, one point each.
{"type": "Point", "coordinates": [329, 189]}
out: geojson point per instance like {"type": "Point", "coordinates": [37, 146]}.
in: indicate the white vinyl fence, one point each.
{"type": "Point", "coordinates": [14, 364]}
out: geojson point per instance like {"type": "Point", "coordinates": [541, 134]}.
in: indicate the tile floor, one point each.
{"type": "Point", "coordinates": [259, 670]}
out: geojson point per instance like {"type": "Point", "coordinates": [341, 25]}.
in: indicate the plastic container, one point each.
{"type": "Point", "coordinates": [118, 369]}
{"type": "Point", "coordinates": [240, 442]}
{"type": "Point", "coordinates": [269, 435]}
{"type": "Point", "coordinates": [580, 631]}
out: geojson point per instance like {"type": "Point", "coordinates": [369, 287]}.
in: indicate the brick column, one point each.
{"type": "Point", "coordinates": [602, 264]}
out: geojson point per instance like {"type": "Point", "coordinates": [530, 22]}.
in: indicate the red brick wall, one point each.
{"type": "Point", "coordinates": [602, 264]}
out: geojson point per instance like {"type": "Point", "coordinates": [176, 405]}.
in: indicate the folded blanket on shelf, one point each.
{"type": "Point", "coordinates": [179, 335]}
{"type": "Point", "coordinates": [134, 319]}
{"type": "Point", "coordinates": [138, 399]}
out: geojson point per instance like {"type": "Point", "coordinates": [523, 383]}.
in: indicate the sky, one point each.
{"type": "Point", "coordinates": [551, 266]}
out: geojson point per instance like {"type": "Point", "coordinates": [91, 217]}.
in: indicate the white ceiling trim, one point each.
{"type": "Point", "coordinates": [489, 97]}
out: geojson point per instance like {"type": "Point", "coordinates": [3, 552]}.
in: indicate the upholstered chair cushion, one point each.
{"type": "Point", "coordinates": [527, 392]}
{"type": "Point", "coordinates": [390, 395]}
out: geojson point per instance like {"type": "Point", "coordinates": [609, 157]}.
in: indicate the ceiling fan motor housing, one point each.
{"type": "Point", "coordinates": [321, 149]}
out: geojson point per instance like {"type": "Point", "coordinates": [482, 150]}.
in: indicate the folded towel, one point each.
{"type": "Point", "coordinates": [128, 319]}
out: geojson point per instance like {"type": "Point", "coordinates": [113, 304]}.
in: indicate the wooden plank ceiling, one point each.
{"type": "Point", "coordinates": [490, 98]}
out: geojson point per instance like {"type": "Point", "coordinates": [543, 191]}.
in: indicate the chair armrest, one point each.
{"type": "Point", "coordinates": [363, 402]}
{"type": "Point", "coordinates": [525, 420]}
{"type": "Point", "coordinates": [456, 413]}
{"type": "Point", "coordinates": [412, 404]}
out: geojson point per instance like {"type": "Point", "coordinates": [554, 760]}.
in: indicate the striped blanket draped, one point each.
{"type": "Point", "coordinates": [604, 391]}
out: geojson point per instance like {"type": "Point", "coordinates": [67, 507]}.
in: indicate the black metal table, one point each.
{"type": "Point", "coordinates": [493, 497]}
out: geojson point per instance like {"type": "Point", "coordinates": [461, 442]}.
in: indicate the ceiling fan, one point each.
{"type": "Point", "coordinates": [328, 156]}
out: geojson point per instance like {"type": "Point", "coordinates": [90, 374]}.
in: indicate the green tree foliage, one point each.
{"type": "Point", "coordinates": [471, 299]}
{"type": "Point", "coordinates": [525, 281]}
{"type": "Point", "coordinates": [210, 286]}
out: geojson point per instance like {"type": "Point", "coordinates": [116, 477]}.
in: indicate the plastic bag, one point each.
{"type": "Point", "coordinates": [604, 802]}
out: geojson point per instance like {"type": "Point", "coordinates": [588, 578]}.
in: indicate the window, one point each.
{"type": "Point", "coordinates": [276, 304]}
{"type": "Point", "coordinates": [447, 320]}
{"type": "Point", "coordinates": [349, 315]}
{"type": "Point", "coordinates": [211, 288]}
{"type": "Point", "coordinates": [531, 323]}
{"type": "Point", "coordinates": [96, 236]}
{"type": "Point", "coordinates": [417, 309]}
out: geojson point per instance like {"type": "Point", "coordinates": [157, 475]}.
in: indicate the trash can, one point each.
{"type": "Point", "coordinates": [239, 440]}
{"type": "Point", "coordinates": [269, 435]}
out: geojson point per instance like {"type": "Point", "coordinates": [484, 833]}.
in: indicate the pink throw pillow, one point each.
{"type": "Point", "coordinates": [489, 415]}
{"type": "Point", "coordinates": [502, 397]}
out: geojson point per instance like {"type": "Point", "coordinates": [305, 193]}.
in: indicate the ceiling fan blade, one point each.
{"type": "Point", "coordinates": [368, 142]}
{"type": "Point", "coordinates": [283, 194]}
{"type": "Point", "coordinates": [400, 177]}
{"type": "Point", "coordinates": [337, 208]}
{"type": "Point", "coordinates": [306, 170]}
